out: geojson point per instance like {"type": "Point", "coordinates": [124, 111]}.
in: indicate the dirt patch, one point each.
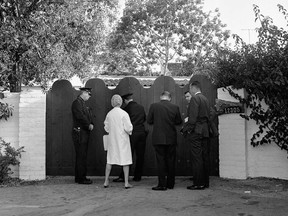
{"type": "Point", "coordinates": [225, 197]}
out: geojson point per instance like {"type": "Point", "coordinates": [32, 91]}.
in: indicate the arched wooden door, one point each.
{"type": "Point", "coordinates": [60, 151]}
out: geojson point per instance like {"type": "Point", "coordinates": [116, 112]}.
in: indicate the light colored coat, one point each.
{"type": "Point", "coordinates": [117, 123]}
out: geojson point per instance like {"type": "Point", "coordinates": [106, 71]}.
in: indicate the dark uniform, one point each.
{"type": "Point", "coordinates": [164, 116]}
{"type": "Point", "coordinates": [82, 118]}
{"type": "Point", "coordinates": [137, 116]}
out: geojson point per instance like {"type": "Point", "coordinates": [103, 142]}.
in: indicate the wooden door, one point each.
{"type": "Point", "coordinates": [60, 151]}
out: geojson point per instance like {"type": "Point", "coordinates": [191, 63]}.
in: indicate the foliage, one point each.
{"type": "Point", "coordinates": [6, 110]}
{"type": "Point", "coordinates": [262, 70]}
{"type": "Point", "coordinates": [8, 156]}
{"type": "Point", "coordinates": [154, 33]}
{"type": "Point", "coordinates": [44, 40]}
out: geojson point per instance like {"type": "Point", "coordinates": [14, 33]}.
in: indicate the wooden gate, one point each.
{"type": "Point", "coordinates": [60, 153]}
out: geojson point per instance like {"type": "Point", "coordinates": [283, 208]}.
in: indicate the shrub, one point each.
{"type": "Point", "coordinates": [5, 111]}
{"type": "Point", "coordinates": [9, 156]}
{"type": "Point", "coordinates": [262, 70]}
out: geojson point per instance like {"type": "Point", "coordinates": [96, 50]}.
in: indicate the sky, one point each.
{"type": "Point", "coordinates": [240, 18]}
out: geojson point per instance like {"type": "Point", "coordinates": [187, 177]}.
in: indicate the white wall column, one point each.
{"type": "Point", "coordinates": [32, 133]}
{"type": "Point", "coordinates": [232, 141]}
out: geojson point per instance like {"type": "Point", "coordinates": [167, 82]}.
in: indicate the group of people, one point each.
{"type": "Point", "coordinates": [126, 135]}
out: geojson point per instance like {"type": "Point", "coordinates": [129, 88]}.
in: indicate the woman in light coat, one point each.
{"type": "Point", "coordinates": [118, 126]}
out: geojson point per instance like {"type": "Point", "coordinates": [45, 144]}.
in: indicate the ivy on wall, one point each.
{"type": "Point", "coordinates": [262, 70]}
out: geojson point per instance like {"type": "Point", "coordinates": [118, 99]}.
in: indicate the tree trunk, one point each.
{"type": "Point", "coordinates": [15, 76]}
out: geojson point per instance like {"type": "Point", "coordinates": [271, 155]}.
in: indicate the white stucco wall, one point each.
{"type": "Point", "coordinates": [32, 133]}
{"type": "Point", "coordinates": [266, 160]}
{"type": "Point", "coordinates": [27, 128]}
{"type": "Point", "coordinates": [238, 158]}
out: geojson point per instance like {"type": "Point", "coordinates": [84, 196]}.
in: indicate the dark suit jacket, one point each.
{"type": "Point", "coordinates": [82, 116]}
{"type": "Point", "coordinates": [137, 115]}
{"type": "Point", "coordinates": [198, 114]}
{"type": "Point", "coordinates": [164, 116]}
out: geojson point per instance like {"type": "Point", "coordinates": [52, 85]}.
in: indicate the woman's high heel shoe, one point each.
{"type": "Point", "coordinates": [128, 187]}
{"type": "Point", "coordinates": [106, 186]}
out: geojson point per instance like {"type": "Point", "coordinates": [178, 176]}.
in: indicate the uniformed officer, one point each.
{"type": "Point", "coordinates": [82, 126]}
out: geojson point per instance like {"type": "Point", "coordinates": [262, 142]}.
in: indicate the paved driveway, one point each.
{"type": "Point", "coordinates": [60, 196]}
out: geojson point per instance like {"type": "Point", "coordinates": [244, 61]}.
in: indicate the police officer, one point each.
{"type": "Point", "coordinates": [82, 126]}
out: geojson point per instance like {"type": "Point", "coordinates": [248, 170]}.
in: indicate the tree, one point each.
{"type": "Point", "coordinates": [155, 32]}
{"type": "Point", "coordinates": [262, 70]}
{"type": "Point", "coordinates": [44, 40]}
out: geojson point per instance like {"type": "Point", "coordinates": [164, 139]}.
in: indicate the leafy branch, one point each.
{"type": "Point", "coordinates": [6, 110]}
{"type": "Point", "coordinates": [261, 69]}
{"type": "Point", "coordinates": [8, 156]}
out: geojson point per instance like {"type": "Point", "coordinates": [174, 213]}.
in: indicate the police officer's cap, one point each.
{"type": "Point", "coordinates": [125, 96]}
{"type": "Point", "coordinates": [86, 89]}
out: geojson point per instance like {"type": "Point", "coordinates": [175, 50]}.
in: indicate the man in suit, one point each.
{"type": "Point", "coordinates": [187, 96]}
{"type": "Point", "coordinates": [137, 116]}
{"type": "Point", "coordinates": [164, 116]}
{"type": "Point", "coordinates": [82, 126]}
{"type": "Point", "coordinates": [198, 136]}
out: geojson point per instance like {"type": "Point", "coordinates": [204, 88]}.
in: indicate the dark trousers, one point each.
{"type": "Point", "coordinates": [138, 145]}
{"type": "Point", "coordinates": [200, 159]}
{"type": "Point", "coordinates": [165, 157]}
{"type": "Point", "coordinates": [81, 139]}
{"type": "Point", "coordinates": [206, 160]}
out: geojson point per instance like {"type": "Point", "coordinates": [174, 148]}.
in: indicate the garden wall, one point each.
{"type": "Point", "coordinates": [27, 128]}
{"type": "Point", "coordinates": [237, 157]}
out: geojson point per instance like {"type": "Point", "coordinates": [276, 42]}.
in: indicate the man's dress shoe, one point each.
{"type": "Point", "coordinates": [194, 187]}
{"type": "Point", "coordinates": [118, 180]}
{"type": "Point", "coordinates": [79, 180]}
{"type": "Point", "coordinates": [85, 181]}
{"type": "Point", "coordinates": [137, 179]}
{"type": "Point", "coordinates": [158, 188]}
